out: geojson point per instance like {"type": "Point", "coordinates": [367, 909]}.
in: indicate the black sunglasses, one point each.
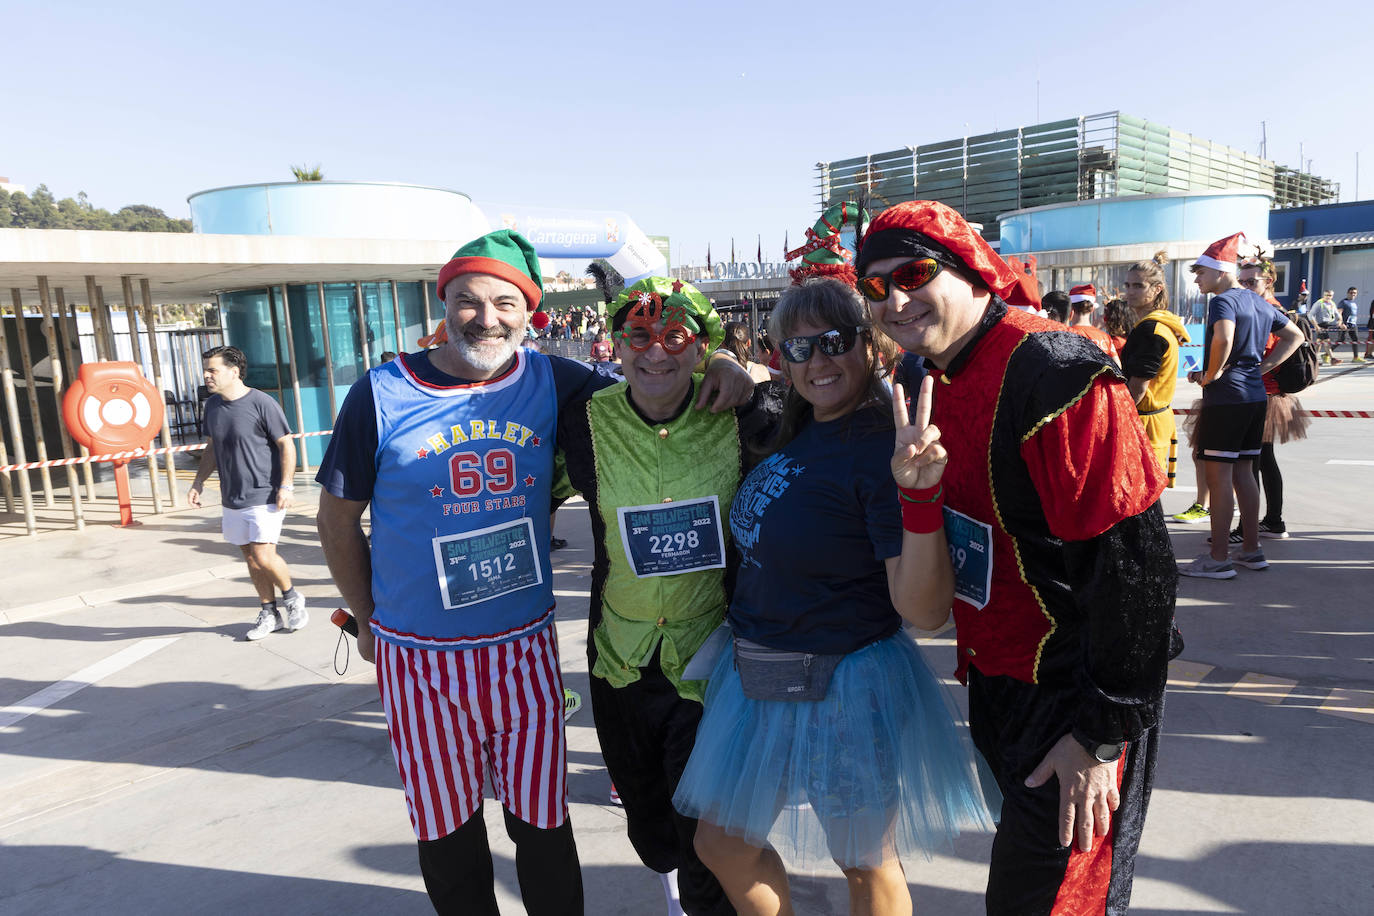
{"type": "Point", "coordinates": [835, 342]}
{"type": "Point", "coordinates": [907, 277]}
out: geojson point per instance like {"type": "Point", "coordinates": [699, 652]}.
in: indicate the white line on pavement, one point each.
{"type": "Point", "coordinates": [87, 676]}
{"type": "Point", "coordinates": [1359, 461]}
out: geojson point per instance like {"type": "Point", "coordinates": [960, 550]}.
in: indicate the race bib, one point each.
{"type": "Point", "coordinates": [970, 550]}
{"type": "Point", "coordinates": [480, 565]}
{"type": "Point", "coordinates": [670, 538]}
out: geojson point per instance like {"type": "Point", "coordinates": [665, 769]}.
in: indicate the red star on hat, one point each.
{"type": "Point", "coordinates": [422, 453]}
{"type": "Point", "coordinates": [436, 491]}
{"type": "Point", "coordinates": [677, 286]}
{"type": "Point", "coordinates": [535, 442]}
{"type": "Point", "coordinates": [529, 480]}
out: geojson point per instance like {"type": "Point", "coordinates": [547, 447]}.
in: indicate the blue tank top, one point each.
{"type": "Point", "coordinates": [460, 509]}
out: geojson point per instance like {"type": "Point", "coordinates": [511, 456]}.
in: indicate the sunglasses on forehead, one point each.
{"type": "Point", "coordinates": [835, 342]}
{"type": "Point", "coordinates": [907, 277]}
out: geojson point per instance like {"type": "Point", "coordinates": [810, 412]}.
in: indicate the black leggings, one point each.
{"type": "Point", "coordinates": [459, 877]}
{"type": "Point", "coordinates": [1268, 475]}
{"type": "Point", "coordinates": [1341, 335]}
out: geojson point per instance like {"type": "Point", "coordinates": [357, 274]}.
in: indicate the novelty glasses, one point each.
{"type": "Point", "coordinates": [835, 342]}
{"type": "Point", "coordinates": [673, 339]}
{"type": "Point", "coordinates": [907, 277]}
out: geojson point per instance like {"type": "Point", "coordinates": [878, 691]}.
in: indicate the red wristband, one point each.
{"type": "Point", "coordinates": [922, 510]}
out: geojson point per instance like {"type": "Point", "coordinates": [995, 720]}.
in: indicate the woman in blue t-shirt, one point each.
{"type": "Point", "coordinates": [824, 712]}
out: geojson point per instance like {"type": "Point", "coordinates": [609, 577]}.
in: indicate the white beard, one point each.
{"type": "Point", "coordinates": [485, 357]}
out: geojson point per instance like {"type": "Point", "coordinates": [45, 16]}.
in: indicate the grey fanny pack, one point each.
{"type": "Point", "coordinates": [780, 674]}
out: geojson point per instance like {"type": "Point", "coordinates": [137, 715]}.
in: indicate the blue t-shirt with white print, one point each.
{"type": "Point", "coordinates": [814, 524]}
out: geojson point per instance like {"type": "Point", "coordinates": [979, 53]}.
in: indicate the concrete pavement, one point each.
{"type": "Point", "coordinates": [153, 762]}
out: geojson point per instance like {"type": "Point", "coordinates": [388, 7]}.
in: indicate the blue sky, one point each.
{"type": "Point", "coordinates": [703, 121]}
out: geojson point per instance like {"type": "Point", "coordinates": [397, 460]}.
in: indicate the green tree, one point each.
{"type": "Point", "coordinates": [23, 213]}
{"type": "Point", "coordinates": [45, 206]}
{"type": "Point", "coordinates": [304, 173]}
{"type": "Point", "coordinates": [41, 211]}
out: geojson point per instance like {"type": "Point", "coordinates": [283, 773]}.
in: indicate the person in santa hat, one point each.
{"type": "Point", "coordinates": [1064, 580]}
{"type": "Point", "coordinates": [453, 450]}
{"type": "Point", "coordinates": [1082, 303]}
{"type": "Point", "coordinates": [1231, 421]}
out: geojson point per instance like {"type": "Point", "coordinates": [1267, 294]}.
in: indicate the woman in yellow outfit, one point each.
{"type": "Point", "coordinates": [1150, 357]}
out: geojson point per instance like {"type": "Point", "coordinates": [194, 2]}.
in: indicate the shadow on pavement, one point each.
{"type": "Point", "coordinates": [1288, 878]}
{"type": "Point", "coordinates": [41, 880]}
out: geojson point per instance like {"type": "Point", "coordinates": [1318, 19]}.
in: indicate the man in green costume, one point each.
{"type": "Point", "coordinates": [658, 478]}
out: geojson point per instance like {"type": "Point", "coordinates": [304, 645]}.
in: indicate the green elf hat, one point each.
{"type": "Point", "coordinates": [669, 300]}
{"type": "Point", "coordinates": [506, 255]}
{"type": "Point", "coordinates": [823, 255]}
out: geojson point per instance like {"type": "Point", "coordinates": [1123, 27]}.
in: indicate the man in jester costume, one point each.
{"type": "Point", "coordinates": [1065, 580]}
{"type": "Point", "coordinates": [451, 449]}
{"type": "Point", "coordinates": [658, 478]}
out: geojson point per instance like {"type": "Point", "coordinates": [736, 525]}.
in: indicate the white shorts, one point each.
{"type": "Point", "coordinates": [252, 525]}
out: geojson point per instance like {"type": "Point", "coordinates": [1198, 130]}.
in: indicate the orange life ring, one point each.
{"type": "Point", "coordinates": [111, 407]}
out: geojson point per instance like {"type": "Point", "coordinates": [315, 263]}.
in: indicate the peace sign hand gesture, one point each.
{"type": "Point", "coordinates": [918, 461]}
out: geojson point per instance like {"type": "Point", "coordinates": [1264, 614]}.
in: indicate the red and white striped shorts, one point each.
{"type": "Point", "coordinates": [453, 714]}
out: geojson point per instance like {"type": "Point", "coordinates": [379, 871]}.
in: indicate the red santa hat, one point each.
{"type": "Point", "coordinates": [1223, 254]}
{"type": "Point", "coordinates": [1084, 293]}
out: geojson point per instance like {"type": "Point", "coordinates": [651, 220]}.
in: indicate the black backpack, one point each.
{"type": "Point", "coordinates": [1299, 370]}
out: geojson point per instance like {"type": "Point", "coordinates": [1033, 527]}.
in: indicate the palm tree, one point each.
{"type": "Point", "coordinates": [303, 173]}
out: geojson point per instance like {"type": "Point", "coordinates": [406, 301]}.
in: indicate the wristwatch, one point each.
{"type": "Point", "coordinates": [1102, 753]}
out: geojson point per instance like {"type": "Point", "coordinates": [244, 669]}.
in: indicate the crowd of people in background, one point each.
{"type": "Point", "coordinates": [574, 323]}
{"type": "Point", "coordinates": [1234, 462]}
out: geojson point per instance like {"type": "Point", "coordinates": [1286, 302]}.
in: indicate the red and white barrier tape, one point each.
{"type": "Point", "coordinates": [127, 456]}
{"type": "Point", "coordinates": [1342, 414]}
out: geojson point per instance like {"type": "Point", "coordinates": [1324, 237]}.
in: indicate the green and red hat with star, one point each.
{"type": "Point", "coordinates": [668, 300]}
{"type": "Point", "coordinates": [822, 255]}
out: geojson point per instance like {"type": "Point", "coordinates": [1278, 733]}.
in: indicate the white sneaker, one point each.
{"type": "Point", "coordinates": [1204, 567]}
{"type": "Point", "coordinates": [269, 621]}
{"type": "Point", "coordinates": [296, 616]}
{"type": "Point", "coordinates": [1254, 560]}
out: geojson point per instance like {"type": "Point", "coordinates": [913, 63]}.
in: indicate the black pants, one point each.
{"type": "Point", "coordinates": [1014, 725]}
{"type": "Point", "coordinates": [646, 732]}
{"type": "Point", "coordinates": [1341, 335]}
{"type": "Point", "coordinates": [1268, 474]}
{"type": "Point", "coordinates": [459, 878]}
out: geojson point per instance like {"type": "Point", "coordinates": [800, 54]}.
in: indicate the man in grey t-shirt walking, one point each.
{"type": "Point", "coordinates": [248, 442]}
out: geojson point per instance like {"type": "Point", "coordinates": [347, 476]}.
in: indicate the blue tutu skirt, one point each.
{"type": "Point", "coordinates": [878, 769]}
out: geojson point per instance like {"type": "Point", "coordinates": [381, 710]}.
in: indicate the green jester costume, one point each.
{"type": "Point", "coordinates": [659, 494]}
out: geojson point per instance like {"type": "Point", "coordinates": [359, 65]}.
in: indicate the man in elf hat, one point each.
{"type": "Point", "coordinates": [1231, 425]}
{"type": "Point", "coordinates": [1082, 302]}
{"type": "Point", "coordinates": [453, 450]}
{"type": "Point", "coordinates": [659, 578]}
{"type": "Point", "coordinates": [1065, 584]}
